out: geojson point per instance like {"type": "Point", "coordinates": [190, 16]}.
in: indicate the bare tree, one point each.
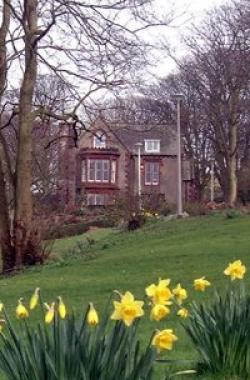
{"type": "Point", "coordinates": [90, 46]}
{"type": "Point", "coordinates": [220, 75]}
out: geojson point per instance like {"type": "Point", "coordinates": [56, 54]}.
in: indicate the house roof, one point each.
{"type": "Point", "coordinates": [130, 135]}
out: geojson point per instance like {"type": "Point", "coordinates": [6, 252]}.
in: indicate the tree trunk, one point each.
{"type": "Point", "coordinates": [232, 165]}
{"type": "Point", "coordinates": [232, 182]}
{"type": "Point", "coordinates": [7, 250]}
{"type": "Point", "coordinates": [23, 195]}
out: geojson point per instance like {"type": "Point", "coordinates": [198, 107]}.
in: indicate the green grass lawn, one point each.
{"type": "Point", "coordinates": [181, 250]}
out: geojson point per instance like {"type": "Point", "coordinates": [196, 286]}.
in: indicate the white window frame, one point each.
{"type": "Point", "coordinates": [153, 181]}
{"type": "Point", "coordinates": [99, 168]}
{"type": "Point", "coordinates": [99, 140]}
{"type": "Point", "coordinates": [152, 146]}
{"type": "Point", "coordinates": [113, 171]}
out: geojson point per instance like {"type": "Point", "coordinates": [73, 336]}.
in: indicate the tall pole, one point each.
{"type": "Point", "coordinates": [212, 181]}
{"type": "Point", "coordinates": [139, 172]}
{"type": "Point", "coordinates": [139, 145]}
{"type": "Point", "coordinates": [179, 173]}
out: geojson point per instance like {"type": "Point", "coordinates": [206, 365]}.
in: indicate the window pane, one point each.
{"type": "Point", "coordinates": [91, 167]}
{"type": "Point", "coordinates": [152, 172]}
{"type": "Point", "coordinates": [155, 173]}
{"type": "Point", "coordinates": [98, 170]}
{"type": "Point", "coordinates": [90, 199]}
{"type": "Point", "coordinates": [106, 164]}
{"type": "Point", "coordinates": [147, 173]}
{"type": "Point", "coordinates": [99, 201]}
{"type": "Point", "coordinates": [113, 171]}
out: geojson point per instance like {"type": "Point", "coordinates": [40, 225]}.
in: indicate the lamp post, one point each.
{"type": "Point", "coordinates": [139, 145]}
{"type": "Point", "coordinates": [212, 181]}
{"type": "Point", "coordinates": [177, 98]}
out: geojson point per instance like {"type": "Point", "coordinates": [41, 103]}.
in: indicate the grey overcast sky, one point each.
{"type": "Point", "coordinates": [189, 11]}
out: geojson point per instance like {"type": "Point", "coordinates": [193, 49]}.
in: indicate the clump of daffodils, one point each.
{"type": "Point", "coordinates": [162, 299]}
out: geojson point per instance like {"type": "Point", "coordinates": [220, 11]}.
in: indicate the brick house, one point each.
{"type": "Point", "coordinates": [105, 165]}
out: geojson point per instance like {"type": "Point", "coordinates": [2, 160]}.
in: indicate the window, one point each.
{"type": "Point", "coordinates": [95, 199]}
{"type": "Point", "coordinates": [98, 170]}
{"type": "Point", "coordinates": [152, 146]}
{"type": "Point", "coordinates": [99, 140]}
{"type": "Point", "coordinates": [152, 173]}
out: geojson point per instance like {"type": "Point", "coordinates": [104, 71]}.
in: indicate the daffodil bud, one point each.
{"type": "Point", "coordinates": [49, 316]}
{"type": "Point", "coordinates": [2, 323]}
{"type": "Point", "coordinates": [92, 316]}
{"type": "Point", "coordinates": [21, 311]}
{"type": "Point", "coordinates": [34, 299]}
{"type": "Point", "coordinates": [61, 308]}
{"type": "Point", "coordinates": [183, 313]}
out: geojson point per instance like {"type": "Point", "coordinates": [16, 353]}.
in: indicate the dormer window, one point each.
{"type": "Point", "coordinates": [152, 146]}
{"type": "Point", "coordinates": [99, 140]}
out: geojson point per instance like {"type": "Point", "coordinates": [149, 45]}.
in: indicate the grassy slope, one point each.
{"type": "Point", "coordinates": [182, 250]}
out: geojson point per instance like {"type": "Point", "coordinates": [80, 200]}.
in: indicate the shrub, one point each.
{"type": "Point", "coordinates": [195, 208]}
{"type": "Point", "coordinates": [67, 230]}
{"type": "Point", "coordinates": [232, 214]}
{"type": "Point", "coordinates": [38, 250]}
{"type": "Point", "coordinates": [167, 209]}
{"type": "Point", "coordinates": [81, 249]}
{"type": "Point", "coordinates": [136, 221]}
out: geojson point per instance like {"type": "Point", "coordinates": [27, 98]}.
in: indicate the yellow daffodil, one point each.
{"type": "Point", "coordinates": [34, 299]}
{"type": "Point", "coordinates": [92, 316]}
{"type": "Point", "coordinates": [2, 323]}
{"type": "Point", "coordinates": [159, 294]}
{"type": "Point", "coordinates": [50, 315]}
{"type": "Point", "coordinates": [235, 270]}
{"type": "Point", "coordinates": [61, 308]}
{"type": "Point", "coordinates": [158, 312]}
{"type": "Point", "coordinates": [180, 294]}
{"type": "Point", "coordinates": [21, 311]}
{"type": "Point", "coordinates": [1, 307]}
{"type": "Point", "coordinates": [201, 284]}
{"type": "Point", "coordinates": [183, 313]}
{"type": "Point", "coordinates": [164, 340]}
{"type": "Point", "coordinates": [127, 309]}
